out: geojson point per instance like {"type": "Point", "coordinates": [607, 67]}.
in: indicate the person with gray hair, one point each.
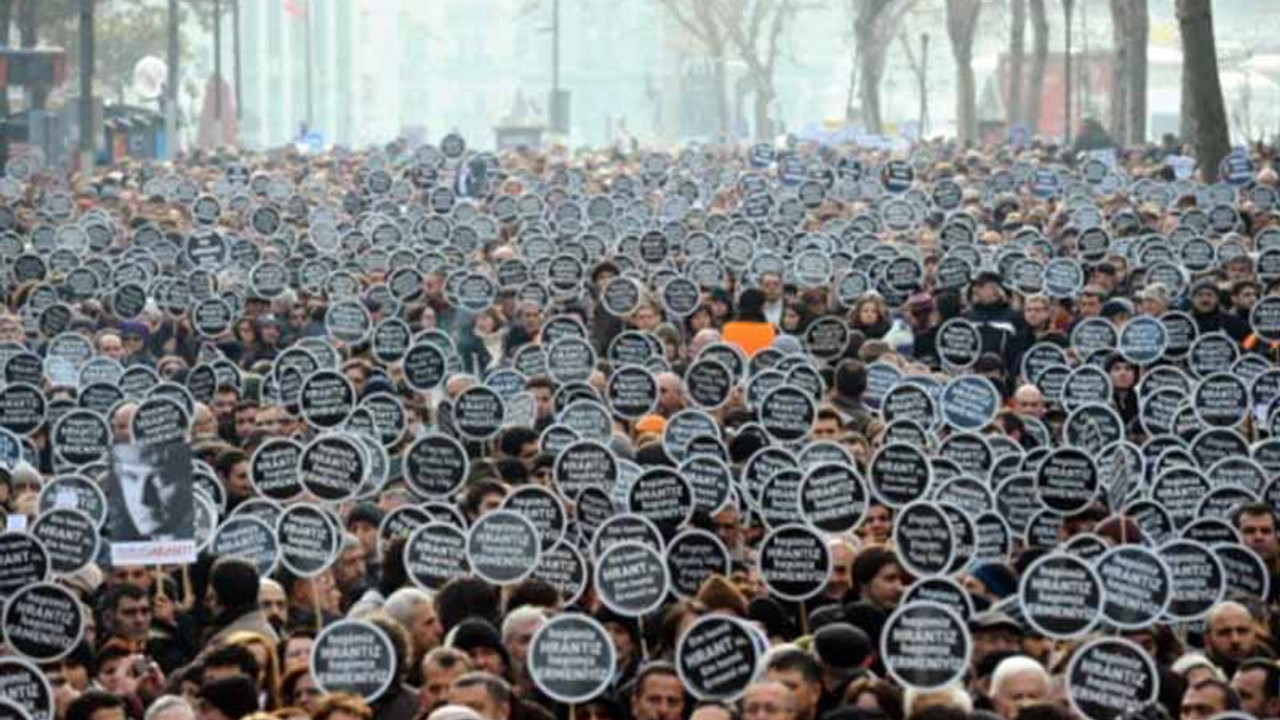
{"type": "Point", "coordinates": [415, 609]}
{"type": "Point", "coordinates": [1018, 681]}
{"type": "Point", "coordinates": [170, 707]}
{"type": "Point", "coordinates": [770, 699]}
{"type": "Point", "coordinates": [518, 630]}
{"type": "Point", "coordinates": [953, 696]}
{"type": "Point", "coordinates": [486, 693]}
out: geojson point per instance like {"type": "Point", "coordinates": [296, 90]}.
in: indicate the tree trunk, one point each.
{"type": "Point", "coordinates": [27, 23]}
{"type": "Point", "coordinates": [762, 96]}
{"type": "Point", "coordinates": [1039, 62]}
{"type": "Point", "coordinates": [853, 86]}
{"type": "Point", "coordinates": [962, 21]}
{"type": "Point", "coordinates": [873, 46]}
{"type": "Point", "coordinates": [1119, 69]}
{"type": "Point", "coordinates": [1139, 28]}
{"type": "Point", "coordinates": [722, 97]}
{"type": "Point", "coordinates": [1067, 119]}
{"type": "Point", "coordinates": [6, 20]}
{"type": "Point", "coordinates": [1204, 118]}
{"type": "Point", "coordinates": [1017, 58]}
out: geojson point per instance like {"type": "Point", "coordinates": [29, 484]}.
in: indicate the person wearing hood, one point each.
{"type": "Point", "coordinates": [232, 601]}
{"type": "Point", "coordinates": [1003, 330]}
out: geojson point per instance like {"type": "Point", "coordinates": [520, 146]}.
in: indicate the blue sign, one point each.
{"type": "Point", "coordinates": [1236, 168]}
{"type": "Point", "coordinates": [315, 141]}
{"type": "Point", "coordinates": [1019, 134]}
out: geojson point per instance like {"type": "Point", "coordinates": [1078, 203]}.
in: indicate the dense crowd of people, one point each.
{"type": "Point", "coordinates": [899, 257]}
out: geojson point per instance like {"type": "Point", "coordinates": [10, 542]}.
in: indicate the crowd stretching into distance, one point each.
{"type": "Point", "coordinates": [791, 431]}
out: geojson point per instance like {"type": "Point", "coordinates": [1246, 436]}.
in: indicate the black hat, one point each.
{"type": "Point", "coordinates": [826, 615]}
{"type": "Point", "coordinates": [769, 613]}
{"type": "Point", "coordinates": [1203, 284]}
{"type": "Point", "coordinates": [475, 633]}
{"type": "Point", "coordinates": [842, 646]}
{"type": "Point", "coordinates": [866, 617]}
{"type": "Point", "coordinates": [984, 277]}
{"type": "Point", "coordinates": [234, 696]}
{"type": "Point", "coordinates": [365, 512]}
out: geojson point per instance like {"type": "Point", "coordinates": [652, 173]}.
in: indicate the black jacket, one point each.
{"type": "Point", "coordinates": [1003, 331]}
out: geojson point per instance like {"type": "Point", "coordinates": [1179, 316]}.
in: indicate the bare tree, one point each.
{"type": "Point", "coordinates": [700, 20]}
{"type": "Point", "coordinates": [1130, 26]}
{"type": "Point", "coordinates": [1204, 118]}
{"type": "Point", "coordinates": [754, 31]}
{"type": "Point", "coordinates": [1119, 77]}
{"type": "Point", "coordinates": [1139, 31]}
{"type": "Point", "coordinates": [1033, 96]}
{"type": "Point", "coordinates": [920, 69]}
{"type": "Point", "coordinates": [1017, 58]}
{"type": "Point", "coordinates": [6, 20]}
{"type": "Point", "coordinates": [962, 21]}
{"type": "Point", "coordinates": [27, 21]}
{"type": "Point", "coordinates": [875, 23]}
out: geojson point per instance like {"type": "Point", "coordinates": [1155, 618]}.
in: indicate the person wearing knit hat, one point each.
{"type": "Point", "coordinates": [229, 698]}
{"type": "Point", "coordinates": [994, 580]}
{"type": "Point", "coordinates": [844, 652]}
{"type": "Point", "coordinates": [481, 640]}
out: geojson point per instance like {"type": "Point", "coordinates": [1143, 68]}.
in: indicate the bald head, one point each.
{"type": "Point", "coordinates": [1028, 400]}
{"type": "Point", "coordinates": [1231, 633]}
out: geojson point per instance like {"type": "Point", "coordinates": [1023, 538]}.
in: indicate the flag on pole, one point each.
{"type": "Point", "coordinates": [295, 9]}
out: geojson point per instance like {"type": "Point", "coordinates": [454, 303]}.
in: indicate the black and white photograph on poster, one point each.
{"type": "Point", "coordinates": [355, 657]}
{"type": "Point", "coordinates": [151, 520]}
{"type": "Point", "coordinates": [43, 622]}
{"type": "Point", "coordinates": [572, 658]}
{"type": "Point", "coordinates": [717, 658]}
{"type": "Point", "coordinates": [925, 645]}
{"type": "Point", "coordinates": [1109, 677]}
